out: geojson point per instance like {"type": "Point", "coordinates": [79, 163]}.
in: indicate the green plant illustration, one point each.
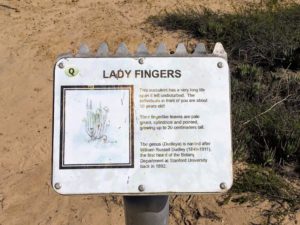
{"type": "Point", "coordinates": [96, 121]}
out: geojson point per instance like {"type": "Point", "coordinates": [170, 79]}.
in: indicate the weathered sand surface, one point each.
{"type": "Point", "coordinates": [32, 34]}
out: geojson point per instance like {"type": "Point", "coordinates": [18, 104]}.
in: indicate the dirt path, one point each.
{"type": "Point", "coordinates": [32, 34]}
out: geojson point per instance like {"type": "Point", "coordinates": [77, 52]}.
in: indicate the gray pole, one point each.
{"type": "Point", "coordinates": [146, 210]}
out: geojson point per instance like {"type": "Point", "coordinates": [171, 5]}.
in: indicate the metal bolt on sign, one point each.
{"type": "Point", "coordinates": [141, 61]}
{"type": "Point", "coordinates": [223, 185]}
{"type": "Point", "coordinates": [141, 188]}
{"type": "Point", "coordinates": [61, 65]}
{"type": "Point", "coordinates": [142, 125]}
{"type": "Point", "coordinates": [57, 186]}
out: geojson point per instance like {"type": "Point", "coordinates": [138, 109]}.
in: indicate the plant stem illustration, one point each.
{"type": "Point", "coordinates": [96, 121]}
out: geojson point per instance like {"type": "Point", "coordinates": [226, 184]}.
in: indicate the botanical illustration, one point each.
{"type": "Point", "coordinates": [96, 121]}
{"type": "Point", "coordinates": [97, 127]}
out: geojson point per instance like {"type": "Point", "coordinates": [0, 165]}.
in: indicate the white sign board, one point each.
{"type": "Point", "coordinates": [156, 125]}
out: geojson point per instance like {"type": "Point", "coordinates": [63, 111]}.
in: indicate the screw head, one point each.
{"type": "Point", "coordinates": [223, 185]}
{"type": "Point", "coordinates": [141, 61]}
{"type": "Point", "coordinates": [57, 186]}
{"type": "Point", "coordinates": [61, 65]}
{"type": "Point", "coordinates": [141, 188]}
{"type": "Point", "coordinates": [220, 64]}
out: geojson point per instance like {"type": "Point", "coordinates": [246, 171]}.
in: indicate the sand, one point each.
{"type": "Point", "coordinates": [32, 34]}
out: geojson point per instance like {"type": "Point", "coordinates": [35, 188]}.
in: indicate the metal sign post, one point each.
{"type": "Point", "coordinates": [142, 126]}
{"type": "Point", "coordinates": [146, 210]}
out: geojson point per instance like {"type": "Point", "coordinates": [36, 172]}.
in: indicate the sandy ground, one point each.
{"type": "Point", "coordinates": [32, 34]}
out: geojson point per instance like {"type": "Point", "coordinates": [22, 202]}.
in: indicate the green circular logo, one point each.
{"type": "Point", "coordinates": [71, 71]}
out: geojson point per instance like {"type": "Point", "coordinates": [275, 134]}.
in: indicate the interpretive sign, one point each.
{"type": "Point", "coordinates": [151, 125]}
